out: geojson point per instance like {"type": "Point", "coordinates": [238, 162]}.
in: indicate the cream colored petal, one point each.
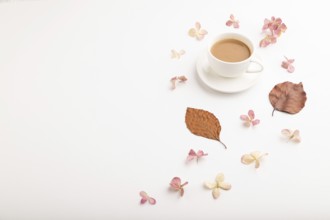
{"type": "Point", "coordinates": [174, 54]}
{"type": "Point", "coordinates": [216, 193]}
{"type": "Point", "coordinates": [192, 32]}
{"type": "Point", "coordinates": [247, 159]}
{"type": "Point", "coordinates": [296, 136]}
{"type": "Point", "coordinates": [256, 154]}
{"type": "Point", "coordinates": [257, 164]}
{"type": "Point", "coordinates": [286, 132]}
{"type": "Point", "coordinates": [220, 178]}
{"type": "Point", "coordinates": [297, 139]}
{"type": "Point", "coordinates": [210, 185]}
{"type": "Point", "coordinates": [225, 186]}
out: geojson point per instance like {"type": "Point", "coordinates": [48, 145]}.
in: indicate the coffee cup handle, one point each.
{"type": "Point", "coordinates": [255, 70]}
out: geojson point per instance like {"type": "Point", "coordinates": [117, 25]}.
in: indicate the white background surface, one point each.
{"type": "Point", "coordinates": [88, 120]}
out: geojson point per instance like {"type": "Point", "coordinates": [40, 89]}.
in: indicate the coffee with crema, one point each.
{"type": "Point", "coordinates": [230, 50]}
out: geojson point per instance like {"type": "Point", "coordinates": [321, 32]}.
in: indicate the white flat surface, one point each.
{"type": "Point", "coordinates": [88, 119]}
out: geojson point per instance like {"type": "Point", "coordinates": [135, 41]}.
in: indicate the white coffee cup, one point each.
{"type": "Point", "coordinates": [236, 68]}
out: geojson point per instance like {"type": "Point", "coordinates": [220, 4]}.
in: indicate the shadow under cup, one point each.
{"type": "Point", "coordinates": [231, 54]}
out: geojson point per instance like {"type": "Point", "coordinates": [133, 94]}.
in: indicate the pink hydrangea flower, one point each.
{"type": "Point", "coordinates": [175, 79]}
{"type": "Point", "coordinates": [287, 64]}
{"type": "Point", "coordinates": [192, 155]}
{"type": "Point", "coordinates": [232, 22]}
{"type": "Point", "coordinates": [145, 197]}
{"type": "Point", "coordinates": [177, 186]}
{"type": "Point", "coordinates": [249, 119]}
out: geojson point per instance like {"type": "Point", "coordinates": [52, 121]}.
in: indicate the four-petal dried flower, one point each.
{"type": "Point", "coordinates": [232, 22]}
{"type": "Point", "coordinates": [175, 79]}
{"type": "Point", "coordinates": [177, 186]}
{"type": "Point", "coordinates": [249, 119]}
{"type": "Point", "coordinates": [177, 54]}
{"type": "Point", "coordinates": [197, 32]}
{"type": "Point", "coordinates": [192, 155]}
{"type": "Point", "coordinates": [287, 64]}
{"type": "Point", "coordinates": [291, 135]}
{"type": "Point", "coordinates": [255, 157]}
{"type": "Point", "coordinates": [146, 197]}
{"type": "Point", "coordinates": [217, 185]}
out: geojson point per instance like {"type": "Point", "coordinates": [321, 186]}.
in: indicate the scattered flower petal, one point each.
{"type": "Point", "coordinates": [292, 135]}
{"type": "Point", "coordinates": [177, 54]}
{"type": "Point", "coordinates": [249, 119]}
{"type": "Point", "coordinates": [232, 22]}
{"type": "Point", "coordinates": [217, 185]}
{"type": "Point", "coordinates": [287, 64]}
{"type": "Point", "coordinates": [269, 39]}
{"type": "Point", "coordinates": [146, 197]}
{"type": "Point", "coordinates": [177, 186]}
{"type": "Point", "coordinates": [273, 29]}
{"type": "Point", "coordinates": [180, 79]}
{"type": "Point", "coordinates": [197, 32]}
{"type": "Point", "coordinates": [255, 156]}
{"type": "Point", "coordinates": [192, 155]}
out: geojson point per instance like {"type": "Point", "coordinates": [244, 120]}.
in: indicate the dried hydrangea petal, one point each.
{"type": "Point", "coordinates": [255, 157]}
{"type": "Point", "coordinates": [247, 159]}
{"type": "Point", "coordinates": [225, 186]}
{"type": "Point", "coordinates": [220, 177]}
{"type": "Point", "coordinates": [210, 185]}
{"type": "Point", "coordinates": [216, 193]}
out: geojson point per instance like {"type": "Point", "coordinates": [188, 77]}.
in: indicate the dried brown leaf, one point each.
{"type": "Point", "coordinates": [288, 97]}
{"type": "Point", "coordinates": [203, 123]}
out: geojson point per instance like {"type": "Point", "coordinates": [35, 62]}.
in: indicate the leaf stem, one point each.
{"type": "Point", "coordinates": [273, 112]}
{"type": "Point", "coordinates": [223, 144]}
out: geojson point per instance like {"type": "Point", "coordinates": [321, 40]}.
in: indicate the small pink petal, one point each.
{"type": "Point", "coordinates": [192, 152]}
{"type": "Point", "coordinates": [290, 69]}
{"type": "Point", "coordinates": [190, 158]}
{"type": "Point", "coordinates": [229, 23]}
{"type": "Point", "coordinates": [182, 78]}
{"type": "Point", "coordinates": [200, 153]}
{"type": "Point", "coordinates": [290, 61]}
{"type": "Point", "coordinates": [251, 114]}
{"type": "Point", "coordinates": [152, 201]}
{"type": "Point", "coordinates": [244, 118]}
{"type": "Point", "coordinates": [143, 200]}
{"type": "Point", "coordinates": [143, 194]}
{"type": "Point", "coordinates": [255, 122]}
{"type": "Point", "coordinates": [236, 25]}
{"type": "Point", "coordinates": [198, 25]}
{"type": "Point", "coordinates": [176, 183]}
{"type": "Point", "coordinates": [285, 64]}
{"type": "Point", "coordinates": [264, 42]}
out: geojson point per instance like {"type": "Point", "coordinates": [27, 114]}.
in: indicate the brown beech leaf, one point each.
{"type": "Point", "coordinates": [203, 123]}
{"type": "Point", "coordinates": [288, 97]}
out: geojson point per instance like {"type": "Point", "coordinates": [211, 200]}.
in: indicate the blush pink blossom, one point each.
{"type": "Point", "coordinates": [192, 155]}
{"type": "Point", "coordinates": [177, 186]}
{"type": "Point", "coordinates": [287, 64]}
{"type": "Point", "coordinates": [232, 22]}
{"type": "Point", "coordinates": [250, 119]}
{"type": "Point", "coordinates": [145, 197]}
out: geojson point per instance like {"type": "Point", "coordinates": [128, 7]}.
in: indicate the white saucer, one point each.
{"type": "Point", "coordinates": [223, 84]}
